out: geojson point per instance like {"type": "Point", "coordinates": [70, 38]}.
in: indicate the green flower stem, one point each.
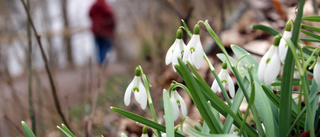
{"type": "Point", "coordinates": [251, 101]}
{"type": "Point", "coordinates": [224, 92]}
{"type": "Point", "coordinates": [146, 85]}
{"type": "Point", "coordinates": [176, 84]}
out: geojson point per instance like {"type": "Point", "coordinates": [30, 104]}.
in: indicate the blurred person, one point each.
{"type": "Point", "coordinates": [103, 27]}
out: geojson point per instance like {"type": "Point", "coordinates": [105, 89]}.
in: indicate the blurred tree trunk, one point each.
{"type": "Point", "coordinates": [67, 36]}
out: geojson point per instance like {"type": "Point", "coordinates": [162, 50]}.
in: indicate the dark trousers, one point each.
{"type": "Point", "coordinates": [103, 46]}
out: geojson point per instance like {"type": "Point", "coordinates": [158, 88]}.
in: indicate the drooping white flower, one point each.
{"type": "Point", "coordinates": [316, 71]}
{"type": "Point", "coordinates": [137, 87]}
{"type": "Point", "coordinates": [269, 66]}
{"type": "Point", "coordinates": [234, 130]}
{"type": "Point", "coordinates": [283, 46]}
{"type": "Point", "coordinates": [225, 79]}
{"type": "Point", "coordinates": [177, 101]}
{"type": "Point", "coordinates": [176, 50]}
{"type": "Point", "coordinates": [194, 51]}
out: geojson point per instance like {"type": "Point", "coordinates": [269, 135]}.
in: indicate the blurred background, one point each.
{"type": "Point", "coordinates": [144, 31]}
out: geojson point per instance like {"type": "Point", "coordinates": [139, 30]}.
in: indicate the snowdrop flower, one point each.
{"type": "Point", "coordinates": [225, 79]}
{"type": "Point", "coordinates": [177, 100]}
{"type": "Point", "coordinates": [136, 86]}
{"type": "Point", "coordinates": [283, 46]}
{"type": "Point", "coordinates": [234, 130]}
{"type": "Point", "coordinates": [176, 50]}
{"type": "Point", "coordinates": [269, 66]}
{"type": "Point", "coordinates": [316, 71]}
{"type": "Point", "coordinates": [194, 52]}
{"type": "Point", "coordinates": [144, 132]}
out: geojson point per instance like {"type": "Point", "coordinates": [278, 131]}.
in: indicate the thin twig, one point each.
{"type": "Point", "coordinates": [31, 107]}
{"type": "Point", "coordinates": [52, 84]}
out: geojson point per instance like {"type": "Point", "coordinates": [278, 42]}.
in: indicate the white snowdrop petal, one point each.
{"type": "Point", "coordinates": [215, 86]}
{"type": "Point", "coordinates": [283, 47]}
{"type": "Point", "coordinates": [182, 104]}
{"type": "Point", "coordinates": [143, 96]}
{"type": "Point", "coordinates": [262, 66]}
{"type": "Point", "coordinates": [144, 135]}
{"type": "Point", "coordinates": [186, 55]}
{"type": "Point", "coordinates": [198, 54]}
{"type": "Point", "coordinates": [169, 53]}
{"type": "Point", "coordinates": [175, 107]}
{"type": "Point", "coordinates": [272, 70]}
{"type": "Point", "coordinates": [127, 94]}
{"type": "Point", "coordinates": [231, 87]}
{"type": "Point", "coordinates": [316, 71]}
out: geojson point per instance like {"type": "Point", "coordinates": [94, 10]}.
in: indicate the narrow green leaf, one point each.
{"type": "Point", "coordinates": [168, 114]}
{"type": "Point", "coordinates": [64, 132]}
{"type": "Point", "coordinates": [143, 120]}
{"type": "Point", "coordinates": [205, 129]}
{"type": "Point", "coordinates": [186, 28]}
{"type": "Point", "coordinates": [310, 34]}
{"type": "Point", "coordinates": [198, 98]}
{"type": "Point", "coordinates": [286, 85]}
{"type": "Point", "coordinates": [200, 134]}
{"type": "Point", "coordinates": [311, 28]}
{"type": "Point", "coordinates": [266, 29]}
{"type": "Point", "coordinates": [311, 18]}
{"type": "Point", "coordinates": [309, 39]}
{"type": "Point", "coordinates": [26, 129]}
{"type": "Point", "coordinates": [217, 103]}
{"type": "Point", "coordinates": [65, 128]}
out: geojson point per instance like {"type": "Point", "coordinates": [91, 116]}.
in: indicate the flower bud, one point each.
{"type": "Point", "coordinates": [144, 130]}
{"type": "Point", "coordinates": [196, 29]}
{"type": "Point", "coordinates": [138, 71]}
{"type": "Point", "coordinates": [224, 65]}
{"type": "Point", "coordinates": [179, 34]}
{"type": "Point", "coordinates": [276, 40]}
{"type": "Point", "coordinates": [288, 26]}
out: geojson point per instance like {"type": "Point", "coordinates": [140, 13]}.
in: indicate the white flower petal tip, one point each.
{"type": "Point", "coordinates": [175, 51]}
{"type": "Point", "coordinates": [194, 52]}
{"type": "Point", "coordinates": [316, 71]}
{"type": "Point", "coordinates": [139, 91]}
{"type": "Point", "coordinates": [283, 46]}
{"type": "Point", "coordinates": [225, 80]}
{"type": "Point", "coordinates": [269, 66]}
{"type": "Point", "coordinates": [177, 101]}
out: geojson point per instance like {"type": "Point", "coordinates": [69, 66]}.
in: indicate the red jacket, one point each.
{"type": "Point", "coordinates": [103, 22]}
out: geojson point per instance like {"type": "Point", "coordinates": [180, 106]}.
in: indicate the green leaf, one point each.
{"type": "Point", "coordinates": [312, 18]}
{"type": "Point", "coordinates": [311, 28]}
{"type": "Point", "coordinates": [143, 120]}
{"type": "Point", "coordinates": [310, 34]}
{"type": "Point", "coordinates": [198, 98]}
{"type": "Point", "coordinates": [64, 132]}
{"type": "Point", "coordinates": [200, 134]}
{"type": "Point", "coordinates": [309, 39]}
{"type": "Point", "coordinates": [186, 28]}
{"type": "Point", "coordinates": [168, 114]}
{"type": "Point", "coordinates": [286, 84]}
{"type": "Point", "coordinates": [215, 100]}
{"type": "Point", "coordinates": [262, 103]}
{"type": "Point", "coordinates": [27, 131]}
{"type": "Point", "coordinates": [65, 128]}
{"type": "Point", "coordinates": [266, 29]}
